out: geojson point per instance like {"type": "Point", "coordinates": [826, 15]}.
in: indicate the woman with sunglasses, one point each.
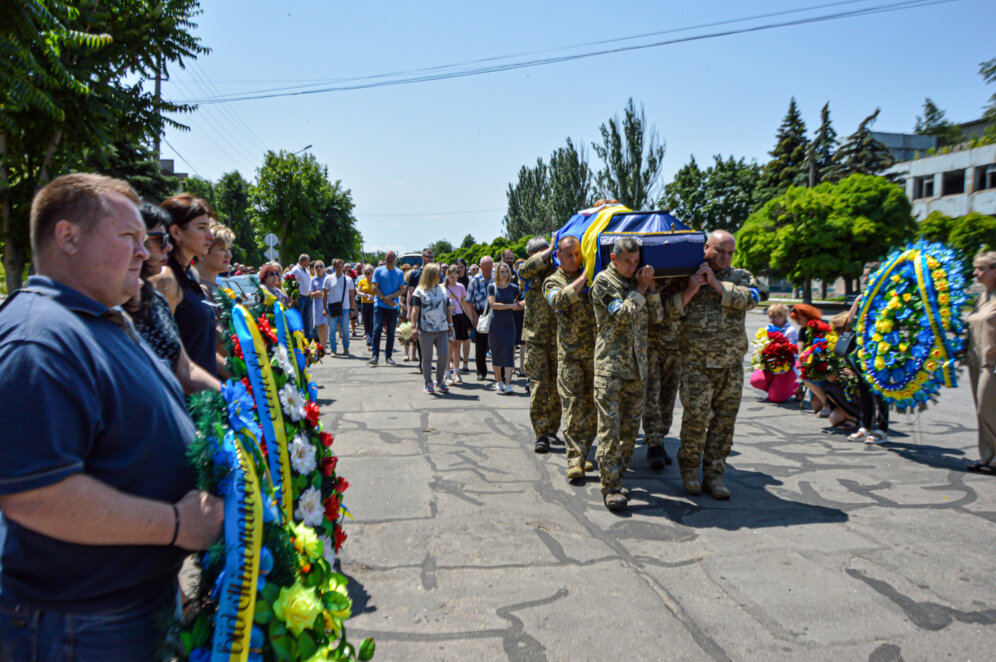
{"type": "Point", "coordinates": [150, 310]}
{"type": "Point", "coordinates": [190, 233]}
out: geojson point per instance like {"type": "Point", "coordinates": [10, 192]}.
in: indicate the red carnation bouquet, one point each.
{"type": "Point", "coordinates": [778, 354]}
{"type": "Point", "coordinates": [292, 289]}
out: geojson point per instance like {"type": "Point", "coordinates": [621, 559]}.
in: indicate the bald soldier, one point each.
{"type": "Point", "coordinates": [567, 294]}
{"type": "Point", "coordinates": [712, 343]}
{"type": "Point", "coordinates": [625, 302]}
{"type": "Point", "coordinates": [539, 331]}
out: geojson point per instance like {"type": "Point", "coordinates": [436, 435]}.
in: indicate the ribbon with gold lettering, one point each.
{"type": "Point", "coordinates": [243, 539]}
{"type": "Point", "coordinates": [284, 337]}
{"type": "Point", "coordinates": [300, 352]}
{"type": "Point", "coordinates": [271, 418]}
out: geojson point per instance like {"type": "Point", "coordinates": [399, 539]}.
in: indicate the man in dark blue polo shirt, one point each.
{"type": "Point", "coordinates": [95, 488]}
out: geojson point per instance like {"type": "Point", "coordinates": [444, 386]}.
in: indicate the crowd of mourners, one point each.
{"type": "Point", "coordinates": [119, 322]}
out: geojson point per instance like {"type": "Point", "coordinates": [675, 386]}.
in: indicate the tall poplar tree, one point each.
{"type": "Point", "coordinates": [860, 153]}
{"type": "Point", "coordinates": [632, 157]}
{"type": "Point", "coordinates": [934, 123]}
{"type": "Point", "coordinates": [823, 146]}
{"type": "Point", "coordinates": [788, 165]}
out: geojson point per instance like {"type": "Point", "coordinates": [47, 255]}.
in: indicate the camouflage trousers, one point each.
{"type": "Point", "coordinates": [620, 408]}
{"type": "Point", "coordinates": [575, 383]}
{"type": "Point", "coordinates": [663, 376]}
{"type": "Point", "coordinates": [544, 403]}
{"type": "Point", "coordinates": [711, 399]}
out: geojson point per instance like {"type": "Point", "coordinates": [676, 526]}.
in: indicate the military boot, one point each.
{"type": "Point", "coordinates": [575, 473]}
{"type": "Point", "coordinates": [615, 501]}
{"type": "Point", "coordinates": [588, 466]}
{"type": "Point", "coordinates": [690, 478]}
{"type": "Point", "coordinates": [657, 457]}
{"type": "Point", "coordinates": [714, 484]}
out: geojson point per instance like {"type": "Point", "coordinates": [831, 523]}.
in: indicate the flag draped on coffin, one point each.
{"type": "Point", "coordinates": [670, 246]}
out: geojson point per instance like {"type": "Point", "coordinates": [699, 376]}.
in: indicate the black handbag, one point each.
{"type": "Point", "coordinates": [335, 308]}
{"type": "Point", "coordinates": [846, 343]}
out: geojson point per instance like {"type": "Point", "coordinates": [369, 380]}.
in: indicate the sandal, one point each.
{"type": "Point", "coordinates": [877, 437]}
{"type": "Point", "coordinates": [860, 435]}
{"type": "Point", "coordinates": [979, 468]}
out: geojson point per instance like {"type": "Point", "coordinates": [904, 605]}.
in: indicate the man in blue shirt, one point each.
{"type": "Point", "coordinates": [477, 296]}
{"type": "Point", "coordinates": [388, 285]}
{"type": "Point", "coordinates": [95, 487]}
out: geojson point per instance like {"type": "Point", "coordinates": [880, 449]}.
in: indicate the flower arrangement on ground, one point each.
{"type": "Point", "coordinates": [818, 360]}
{"type": "Point", "coordinates": [773, 351]}
{"type": "Point", "coordinates": [909, 326]}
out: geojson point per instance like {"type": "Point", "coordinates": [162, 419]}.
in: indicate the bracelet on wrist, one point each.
{"type": "Point", "coordinates": [176, 524]}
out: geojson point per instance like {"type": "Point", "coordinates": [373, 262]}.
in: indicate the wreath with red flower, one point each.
{"type": "Point", "coordinates": [818, 360]}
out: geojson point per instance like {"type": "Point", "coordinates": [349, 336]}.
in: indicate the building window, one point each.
{"type": "Point", "coordinates": [923, 187]}
{"type": "Point", "coordinates": [985, 177]}
{"type": "Point", "coordinates": [953, 182]}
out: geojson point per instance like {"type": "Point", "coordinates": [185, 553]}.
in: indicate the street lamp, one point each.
{"type": "Point", "coordinates": [305, 149]}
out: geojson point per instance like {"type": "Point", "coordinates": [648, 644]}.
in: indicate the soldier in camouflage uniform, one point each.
{"type": "Point", "coordinates": [712, 344]}
{"type": "Point", "coordinates": [567, 294]}
{"type": "Point", "coordinates": [539, 331]}
{"type": "Point", "coordinates": [663, 376]}
{"type": "Point", "coordinates": [625, 302]}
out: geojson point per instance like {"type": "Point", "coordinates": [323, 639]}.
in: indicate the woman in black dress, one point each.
{"type": "Point", "coordinates": [504, 298]}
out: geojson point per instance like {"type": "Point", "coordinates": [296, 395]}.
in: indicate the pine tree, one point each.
{"type": "Point", "coordinates": [860, 153]}
{"type": "Point", "coordinates": [788, 165]}
{"type": "Point", "coordinates": [823, 146]}
{"type": "Point", "coordinates": [934, 123]}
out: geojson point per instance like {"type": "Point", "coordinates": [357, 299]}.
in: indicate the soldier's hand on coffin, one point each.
{"type": "Point", "coordinates": [547, 252]}
{"type": "Point", "coordinates": [201, 516]}
{"type": "Point", "coordinates": [644, 278]}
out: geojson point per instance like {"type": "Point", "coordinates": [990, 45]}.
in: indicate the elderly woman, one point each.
{"type": "Point", "coordinates": [432, 323]}
{"type": "Point", "coordinates": [269, 278]}
{"type": "Point", "coordinates": [981, 359]}
{"type": "Point", "coordinates": [150, 310]}
{"type": "Point", "coordinates": [319, 316]}
{"type": "Point", "coordinates": [505, 299]}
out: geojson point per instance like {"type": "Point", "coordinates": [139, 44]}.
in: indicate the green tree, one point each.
{"type": "Point", "coordinates": [717, 198]}
{"type": "Point", "coordinates": [294, 199]}
{"type": "Point", "coordinates": [970, 234]}
{"type": "Point", "coordinates": [823, 146]}
{"type": "Point", "coordinates": [936, 227]}
{"type": "Point", "coordinates": [337, 236]}
{"type": "Point", "coordinates": [788, 166]}
{"type": "Point", "coordinates": [80, 92]}
{"type": "Point", "coordinates": [232, 204]}
{"type": "Point", "coordinates": [135, 162]}
{"type": "Point", "coordinates": [987, 70]}
{"type": "Point", "coordinates": [441, 247]}
{"type": "Point", "coordinates": [468, 241]}
{"type": "Point", "coordinates": [860, 153]}
{"type": "Point", "coordinates": [202, 188]}
{"type": "Point", "coordinates": [569, 189]}
{"type": "Point", "coordinates": [632, 157]}
{"type": "Point", "coordinates": [526, 201]}
{"type": "Point", "coordinates": [934, 123]}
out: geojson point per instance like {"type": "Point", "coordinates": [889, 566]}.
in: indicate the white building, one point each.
{"type": "Point", "coordinates": [955, 184]}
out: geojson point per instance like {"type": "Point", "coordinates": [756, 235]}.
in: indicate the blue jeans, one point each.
{"type": "Point", "coordinates": [307, 310]}
{"type": "Point", "coordinates": [128, 635]}
{"type": "Point", "coordinates": [384, 317]}
{"type": "Point", "coordinates": [340, 322]}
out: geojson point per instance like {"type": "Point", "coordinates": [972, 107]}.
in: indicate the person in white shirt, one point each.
{"type": "Point", "coordinates": [339, 292]}
{"type": "Point", "coordinates": [303, 305]}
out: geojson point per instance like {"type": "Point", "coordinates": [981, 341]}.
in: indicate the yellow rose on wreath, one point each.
{"type": "Point", "coordinates": [880, 363]}
{"type": "Point", "coordinates": [883, 347]}
{"type": "Point", "coordinates": [907, 297]}
{"type": "Point", "coordinates": [297, 606]}
{"type": "Point", "coordinates": [306, 542]}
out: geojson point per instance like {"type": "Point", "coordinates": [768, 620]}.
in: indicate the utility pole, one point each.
{"type": "Point", "coordinates": [159, 107]}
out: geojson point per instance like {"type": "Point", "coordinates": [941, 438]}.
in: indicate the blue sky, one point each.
{"type": "Point", "coordinates": [433, 160]}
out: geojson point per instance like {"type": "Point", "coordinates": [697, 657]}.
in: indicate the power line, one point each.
{"type": "Point", "coordinates": [897, 6]}
{"type": "Point", "coordinates": [222, 132]}
{"type": "Point", "coordinates": [180, 156]}
{"type": "Point", "coordinates": [236, 119]}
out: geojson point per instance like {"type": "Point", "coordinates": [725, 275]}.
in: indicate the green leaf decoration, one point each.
{"type": "Point", "coordinates": [366, 650]}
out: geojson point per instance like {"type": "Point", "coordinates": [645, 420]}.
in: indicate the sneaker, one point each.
{"type": "Point", "coordinates": [542, 445]}
{"type": "Point", "coordinates": [860, 435]}
{"type": "Point", "coordinates": [458, 378]}
{"type": "Point", "coordinates": [575, 473]}
{"type": "Point", "coordinates": [465, 369]}
{"type": "Point", "coordinates": [508, 390]}
{"type": "Point", "coordinates": [443, 388]}
{"type": "Point", "coordinates": [373, 361]}
{"type": "Point", "coordinates": [615, 501]}
{"type": "Point", "coordinates": [877, 437]}
{"type": "Point", "coordinates": [501, 387]}
{"type": "Point", "coordinates": [427, 389]}
{"type": "Point", "coordinates": [450, 379]}
{"type": "Point", "coordinates": [333, 354]}
{"type": "Point", "coordinates": [825, 412]}
{"type": "Point", "coordinates": [390, 362]}
{"type": "Point", "coordinates": [555, 440]}
{"type": "Point", "coordinates": [493, 386]}
{"type": "Point", "coordinates": [481, 377]}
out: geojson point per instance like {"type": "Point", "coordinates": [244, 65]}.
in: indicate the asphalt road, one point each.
{"type": "Point", "coordinates": [466, 545]}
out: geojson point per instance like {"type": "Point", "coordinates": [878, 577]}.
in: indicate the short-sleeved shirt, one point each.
{"type": "Point", "coordinates": [477, 293]}
{"type": "Point", "coordinates": [302, 277]}
{"type": "Point", "coordinates": [78, 395]}
{"type": "Point", "coordinates": [457, 294]}
{"type": "Point", "coordinates": [365, 289]}
{"type": "Point", "coordinates": [338, 288]}
{"type": "Point", "coordinates": [432, 304]}
{"type": "Point", "coordinates": [388, 280]}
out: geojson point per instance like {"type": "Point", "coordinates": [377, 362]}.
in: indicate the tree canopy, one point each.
{"type": "Point", "coordinates": [861, 153]}
{"type": "Point", "coordinates": [718, 197]}
{"type": "Point", "coordinates": [788, 165]}
{"type": "Point", "coordinates": [632, 157]}
{"type": "Point", "coordinates": [934, 123]}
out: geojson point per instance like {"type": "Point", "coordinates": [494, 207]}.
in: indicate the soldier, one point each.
{"type": "Point", "coordinates": [539, 331]}
{"type": "Point", "coordinates": [663, 376]}
{"type": "Point", "coordinates": [712, 343]}
{"type": "Point", "coordinates": [625, 301]}
{"type": "Point", "coordinates": [567, 295]}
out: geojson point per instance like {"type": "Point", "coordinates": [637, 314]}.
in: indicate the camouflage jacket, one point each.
{"type": "Point", "coordinates": [539, 325]}
{"type": "Point", "coordinates": [664, 334]}
{"type": "Point", "coordinates": [575, 317]}
{"type": "Point", "coordinates": [622, 315]}
{"type": "Point", "coordinates": [712, 326]}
